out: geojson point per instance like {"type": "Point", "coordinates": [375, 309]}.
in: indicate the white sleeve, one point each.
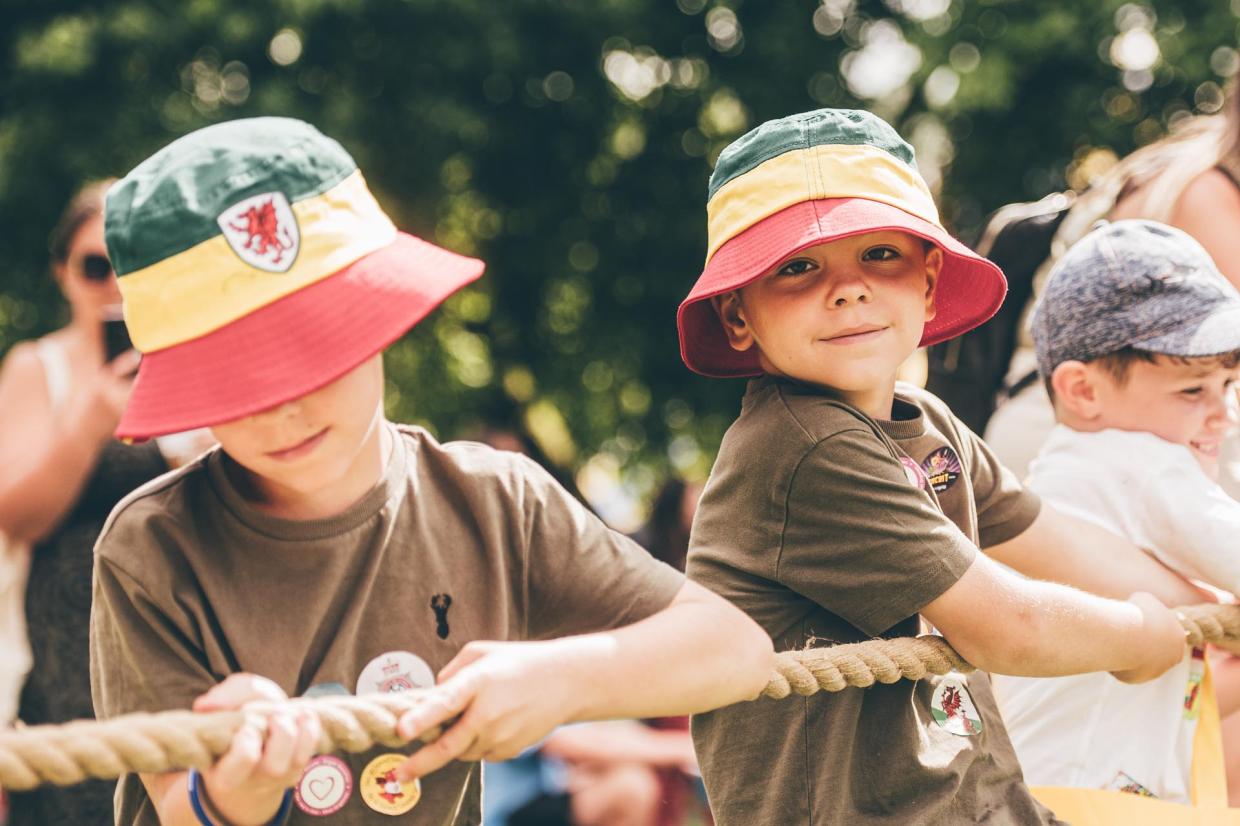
{"type": "Point", "coordinates": [1194, 523]}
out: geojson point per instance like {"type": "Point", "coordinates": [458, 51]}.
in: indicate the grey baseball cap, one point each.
{"type": "Point", "coordinates": [1136, 284]}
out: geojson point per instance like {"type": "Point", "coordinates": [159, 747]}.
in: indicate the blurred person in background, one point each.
{"type": "Point", "coordinates": [61, 472]}
{"type": "Point", "coordinates": [1189, 179]}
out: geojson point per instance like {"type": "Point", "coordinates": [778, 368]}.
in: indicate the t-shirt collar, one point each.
{"type": "Point", "coordinates": [389, 488]}
{"type": "Point", "coordinates": [906, 422]}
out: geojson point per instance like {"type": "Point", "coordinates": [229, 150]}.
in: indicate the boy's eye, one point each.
{"type": "Point", "coordinates": [1192, 391]}
{"type": "Point", "coordinates": [881, 254]}
{"type": "Point", "coordinates": [797, 267]}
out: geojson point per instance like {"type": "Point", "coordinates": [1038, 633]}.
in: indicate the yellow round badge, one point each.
{"type": "Point", "coordinates": [383, 792]}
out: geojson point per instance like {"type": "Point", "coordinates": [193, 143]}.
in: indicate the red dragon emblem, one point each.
{"type": "Point", "coordinates": [264, 235]}
{"type": "Point", "coordinates": [391, 788]}
{"type": "Point", "coordinates": [953, 706]}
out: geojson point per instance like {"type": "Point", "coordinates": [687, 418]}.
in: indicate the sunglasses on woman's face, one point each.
{"type": "Point", "coordinates": [96, 267]}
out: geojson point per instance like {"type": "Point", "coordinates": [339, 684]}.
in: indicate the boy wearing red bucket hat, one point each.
{"type": "Point", "coordinates": [329, 550]}
{"type": "Point", "coordinates": [843, 506]}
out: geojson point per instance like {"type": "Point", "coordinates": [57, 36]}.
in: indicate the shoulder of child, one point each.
{"type": "Point", "coordinates": [1123, 447]}
{"type": "Point", "coordinates": [157, 499]}
{"type": "Point", "coordinates": [478, 462]}
{"type": "Point", "coordinates": [797, 409]}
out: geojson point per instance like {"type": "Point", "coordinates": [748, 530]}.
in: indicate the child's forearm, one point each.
{"type": "Point", "coordinates": [1061, 548]}
{"type": "Point", "coordinates": [697, 654]}
{"type": "Point", "coordinates": [1003, 623]}
{"type": "Point", "coordinates": [170, 794]}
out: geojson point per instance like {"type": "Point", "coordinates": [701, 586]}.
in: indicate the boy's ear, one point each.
{"type": "Point", "coordinates": [934, 266]}
{"type": "Point", "coordinates": [1076, 389]}
{"type": "Point", "coordinates": [732, 315]}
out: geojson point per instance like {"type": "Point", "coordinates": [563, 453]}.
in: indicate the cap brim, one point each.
{"type": "Point", "coordinates": [970, 288]}
{"type": "Point", "coordinates": [1215, 335]}
{"type": "Point", "coordinates": [295, 345]}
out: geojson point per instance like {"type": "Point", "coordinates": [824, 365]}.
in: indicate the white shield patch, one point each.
{"type": "Point", "coordinates": [952, 707]}
{"type": "Point", "coordinates": [262, 230]}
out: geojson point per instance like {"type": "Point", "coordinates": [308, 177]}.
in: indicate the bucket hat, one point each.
{"type": "Point", "coordinates": [804, 180]}
{"type": "Point", "coordinates": [256, 267]}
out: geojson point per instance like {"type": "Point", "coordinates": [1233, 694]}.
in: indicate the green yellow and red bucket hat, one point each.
{"type": "Point", "coordinates": [806, 179]}
{"type": "Point", "coordinates": [256, 267]}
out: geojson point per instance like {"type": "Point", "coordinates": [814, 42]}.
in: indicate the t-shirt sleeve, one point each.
{"type": "Point", "coordinates": [861, 539]}
{"type": "Point", "coordinates": [140, 660]}
{"type": "Point", "coordinates": [1193, 524]}
{"type": "Point", "coordinates": [1005, 507]}
{"type": "Point", "coordinates": [581, 576]}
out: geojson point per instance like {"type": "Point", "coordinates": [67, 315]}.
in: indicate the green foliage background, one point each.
{"type": "Point", "coordinates": [568, 142]}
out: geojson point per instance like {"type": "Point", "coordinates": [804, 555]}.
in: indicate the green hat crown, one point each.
{"type": "Point", "coordinates": [854, 127]}
{"type": "Point", "coordinates": [170, 202]}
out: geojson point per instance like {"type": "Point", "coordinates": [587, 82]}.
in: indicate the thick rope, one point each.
{"type": "Point", "coordinates": [175, 740]}
{"type": "Point", "coordinates": [178, 740]}
{"type": "Point", "coordinates": [861, 664]}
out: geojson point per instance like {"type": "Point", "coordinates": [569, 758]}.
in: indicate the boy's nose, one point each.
{"type": "Point", "coordinates": [851, 291]}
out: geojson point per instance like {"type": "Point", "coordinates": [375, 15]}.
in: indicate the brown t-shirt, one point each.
{"type": "Point", "coordinates": [458, 542]}
{"type": "Point", "coordinates": [826, 527]}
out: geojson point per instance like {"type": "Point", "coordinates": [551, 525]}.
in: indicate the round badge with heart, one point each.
{"type": "Point", "coordinates": [324, 787]}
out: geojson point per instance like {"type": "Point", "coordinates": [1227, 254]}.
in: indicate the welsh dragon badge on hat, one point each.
{"type": "Point", "coordinates": [256, 267]}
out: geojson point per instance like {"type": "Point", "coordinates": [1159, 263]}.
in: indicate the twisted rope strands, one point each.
{"type": "Point", "coordinates": [1218, 624]}
{"type": "Point", "coordinates": [174, 740]}
{"type": "Point", "coordinates": [178, 740]}
{"type": "Point", "coordinates": [861, 664]}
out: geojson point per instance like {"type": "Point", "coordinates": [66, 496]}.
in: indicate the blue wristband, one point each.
{"type": "Point", "coordinates": [200, 812]}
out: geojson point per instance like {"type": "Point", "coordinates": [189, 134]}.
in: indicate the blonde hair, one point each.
{"type": "Point", "coordinates": [1167, 166]}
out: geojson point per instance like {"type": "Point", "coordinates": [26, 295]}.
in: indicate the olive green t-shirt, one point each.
{"type": "Point", "coordinates": [457, 542]}
{"type": "Point", "coordinates": [826, 527]}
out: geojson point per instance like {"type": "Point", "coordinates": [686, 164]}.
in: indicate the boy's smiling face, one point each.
{"type": "Point", "coordinates": [1189, 402]}
{"type": "Point", "coordinates": [316, 455]}
{"type": "Point", "coordinates": [844, 314]}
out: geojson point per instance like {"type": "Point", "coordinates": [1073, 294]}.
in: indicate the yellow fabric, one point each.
{"type": "Point", "coordinates": [827, 171]}
{"type": "Point", "coordinates": [208, 285]}
{"type": "Point", "coordinates": [1208, 785]}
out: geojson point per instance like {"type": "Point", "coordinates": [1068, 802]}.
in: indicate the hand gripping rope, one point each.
{"type": "Point", "coordinates": [178, 740]}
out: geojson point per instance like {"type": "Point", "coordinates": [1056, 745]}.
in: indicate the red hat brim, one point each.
{"type": "Point", "coordinates": [970, 288]}
{"type": "Point", "coordinates": [295, 345]}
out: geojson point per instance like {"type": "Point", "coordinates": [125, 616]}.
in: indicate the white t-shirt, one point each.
{"type": "Point", "coordinates": [1091, 730]}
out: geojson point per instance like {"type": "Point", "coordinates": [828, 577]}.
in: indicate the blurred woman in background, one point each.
{"type": "Point", "coordinates": [1189, 179]}
{"type": "Point", "coordinates": [61, 472]}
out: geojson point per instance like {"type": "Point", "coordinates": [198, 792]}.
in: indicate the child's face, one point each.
{"type": "Point", "coordinates": [844, 314]}
{"type": "Point", "coordinates": [1191, 404]}
{"type": "Point", "coordinates": [315, 445]}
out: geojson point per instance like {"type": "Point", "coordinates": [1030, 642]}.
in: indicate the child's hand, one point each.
{"type": "Point", "coordinates": [246, 785]}
{"type": "Point", "coordinates": [1162, 643]}
{"type": "Point", "coordinates": [507, 698]}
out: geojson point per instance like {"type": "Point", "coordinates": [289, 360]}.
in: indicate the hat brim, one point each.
{"type": "Point", "coordinates": [295, 345]}
{"type": "Point", "coordinates": [1215, 335]}
{"type": "Point", "coordinates": [970, 288]}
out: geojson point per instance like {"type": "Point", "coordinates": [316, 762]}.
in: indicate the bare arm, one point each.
{"type": "Point", "coordinates": [699, 653]}
{"type": "Point", "coordinates": [1064, 549]}
{"type": "Point", "coordinates": [1001, 622]}
{"type": "Point", "coordinates": [45, 460]}
{"type": "Point", "coordinates": [1209, 210]}
{"type": "Point", "coordinates": [621, 741]}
